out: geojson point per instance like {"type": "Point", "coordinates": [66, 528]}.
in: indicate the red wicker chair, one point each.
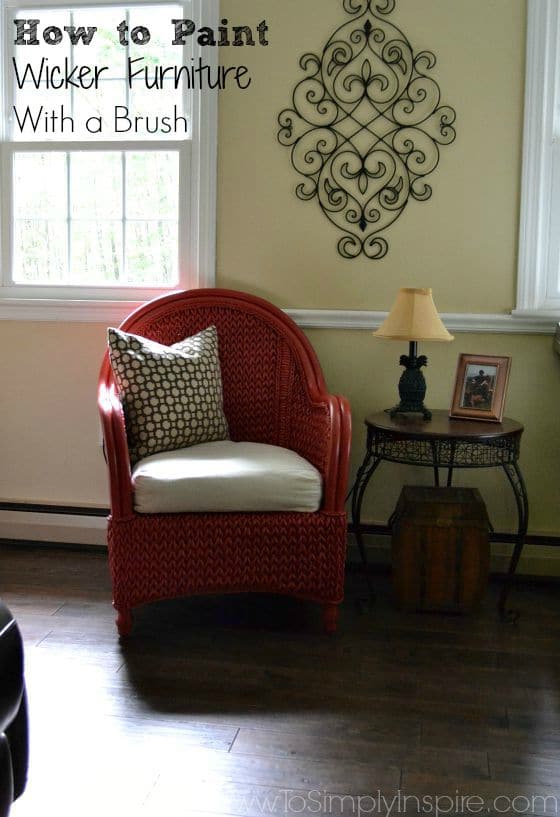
{"type": "Point", "coordinates": [274, 392]}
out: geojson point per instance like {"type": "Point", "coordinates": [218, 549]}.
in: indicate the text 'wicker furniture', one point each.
{"type": "Point", "coordinates": [274, 393]}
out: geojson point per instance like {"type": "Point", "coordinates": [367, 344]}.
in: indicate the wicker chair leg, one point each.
{"type": "Point", "coordinates": [330, 618]}
{"type": "Point", "coordinates": [124, 622]}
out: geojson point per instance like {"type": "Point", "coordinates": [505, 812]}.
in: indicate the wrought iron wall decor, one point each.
{"type": "Point", "coordinates": [365, 127]}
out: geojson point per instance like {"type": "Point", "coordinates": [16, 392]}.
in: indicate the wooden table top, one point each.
{"type": "Point", "coordinates": [442, 426]}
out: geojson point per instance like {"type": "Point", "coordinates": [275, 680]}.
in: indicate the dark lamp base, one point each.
{"type": "Point", "coordinates": [410, 408]}
{"type": "Point", "coordinates": [412, 386]}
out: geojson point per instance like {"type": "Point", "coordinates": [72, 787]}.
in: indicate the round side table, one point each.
{"type": "Point", "coordinates": [446, 443]}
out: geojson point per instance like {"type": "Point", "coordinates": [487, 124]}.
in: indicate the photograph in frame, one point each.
{"type": "Point", "coordinates": [480, 387]}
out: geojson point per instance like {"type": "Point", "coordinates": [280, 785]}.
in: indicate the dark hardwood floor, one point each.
{"type": "Point", "coordinates": [241, 706]}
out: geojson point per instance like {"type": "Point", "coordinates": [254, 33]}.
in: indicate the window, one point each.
{"type": "Point", "coordinates": [108, 158]}
{"type": "Point", "coordinates": [539, 245]}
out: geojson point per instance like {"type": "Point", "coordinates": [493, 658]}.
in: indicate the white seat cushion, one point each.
{"type": "Point", "coordinates": [226, 476]}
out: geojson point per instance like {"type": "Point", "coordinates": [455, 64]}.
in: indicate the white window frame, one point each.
{"type": "Point", "coordinates": [540, 184]}
{"type": "Point", "coordinates": [197, 191]}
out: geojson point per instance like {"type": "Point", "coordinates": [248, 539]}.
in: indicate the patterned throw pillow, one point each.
{"type": "Point", "coordinates": [171, 395]}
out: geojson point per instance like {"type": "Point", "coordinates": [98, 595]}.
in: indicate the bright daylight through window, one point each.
{"type": "Point", "coordinates": [102, 175]}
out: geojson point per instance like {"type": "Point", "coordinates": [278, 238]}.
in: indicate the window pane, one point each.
{"type": "Point", "coordinates": [117, 199]}
{"type": "Point", "coordinates": [34, 94]}
{"type": "Point", "coordinates": [42, 115]}
{"type": "Point", "coordinates": [35, 53]}
{"type": "Point", "coordinates": [94, 105]}
{"type": "Point", "coordinates": [104, 49]}
{"type": "Point", "coordinates": [159, 51]}
{"type": "Point", "coordinates": [152, 184]}
{"type": "Point", "coordinates": [151, 252]}
{"type": "Point", "coordinates": [40, 251]}
{"type": "Point", "coordinates": [160, 115]}
{"type": "Point", "coordinates": [96, 185]}
{"type": "Point", "coordinates": [39, 185]}
{"type": "Point", "coordinates": [97, 253]}
{"type": "Point", "coordinates": [40, 207]}
{"type": "Point", "coordinates": [106, 88]}
{"type": "Point", "coordinates": [152, 204]}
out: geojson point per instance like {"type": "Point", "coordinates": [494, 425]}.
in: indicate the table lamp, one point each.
{"type": "Point", "coordinates": [413, 317]}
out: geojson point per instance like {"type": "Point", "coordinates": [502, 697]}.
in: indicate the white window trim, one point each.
{"type": "Point", "coordinates": [541, 86]}
{"type": "Point", "coordinates": [197, 246]}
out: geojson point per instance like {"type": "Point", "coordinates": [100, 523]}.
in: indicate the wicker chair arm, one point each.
{"type": "Point", "coordinates": [116, 452]}
{"type": "Point", "coordinates": [336, 483]}
{"type": "Point", "coordinates": [321, 432]}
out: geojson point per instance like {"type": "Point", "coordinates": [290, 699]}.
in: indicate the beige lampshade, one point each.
{"type": "Point", "coordinates": [413, 317]}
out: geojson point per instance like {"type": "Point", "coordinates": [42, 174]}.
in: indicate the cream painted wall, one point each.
{"type": "Point", "coordinates": [49, 429]}
{"type": "Point", "coordinates": [463, 243]}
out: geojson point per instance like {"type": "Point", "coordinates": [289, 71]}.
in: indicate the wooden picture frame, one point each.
{"type": "Point", "coordinates": [480, 387]}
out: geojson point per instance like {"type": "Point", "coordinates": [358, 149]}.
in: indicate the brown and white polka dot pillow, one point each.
{"type": "Point", "coordinates": [171, 395]}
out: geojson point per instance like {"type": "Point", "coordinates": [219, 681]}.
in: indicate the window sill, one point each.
{"type": "Point", "coordinates": [544, 315]}
{"type": "Point", "coordinates": [79, 311]}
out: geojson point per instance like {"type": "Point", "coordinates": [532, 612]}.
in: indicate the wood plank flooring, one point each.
{"type": "Point", "coordinates": [241, 706]}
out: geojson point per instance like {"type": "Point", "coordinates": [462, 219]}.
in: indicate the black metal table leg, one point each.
{"type": "Point", "coordinates": [515, 477]}
{"type": "Point", "coordinates": [365, 472]}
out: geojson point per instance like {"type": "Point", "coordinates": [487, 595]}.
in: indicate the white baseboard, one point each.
{"type": "Point", "coordinates": [53, 527]}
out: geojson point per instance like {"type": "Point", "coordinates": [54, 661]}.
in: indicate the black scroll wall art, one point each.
{"type": "Point", "coordinates": [365, 127]}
